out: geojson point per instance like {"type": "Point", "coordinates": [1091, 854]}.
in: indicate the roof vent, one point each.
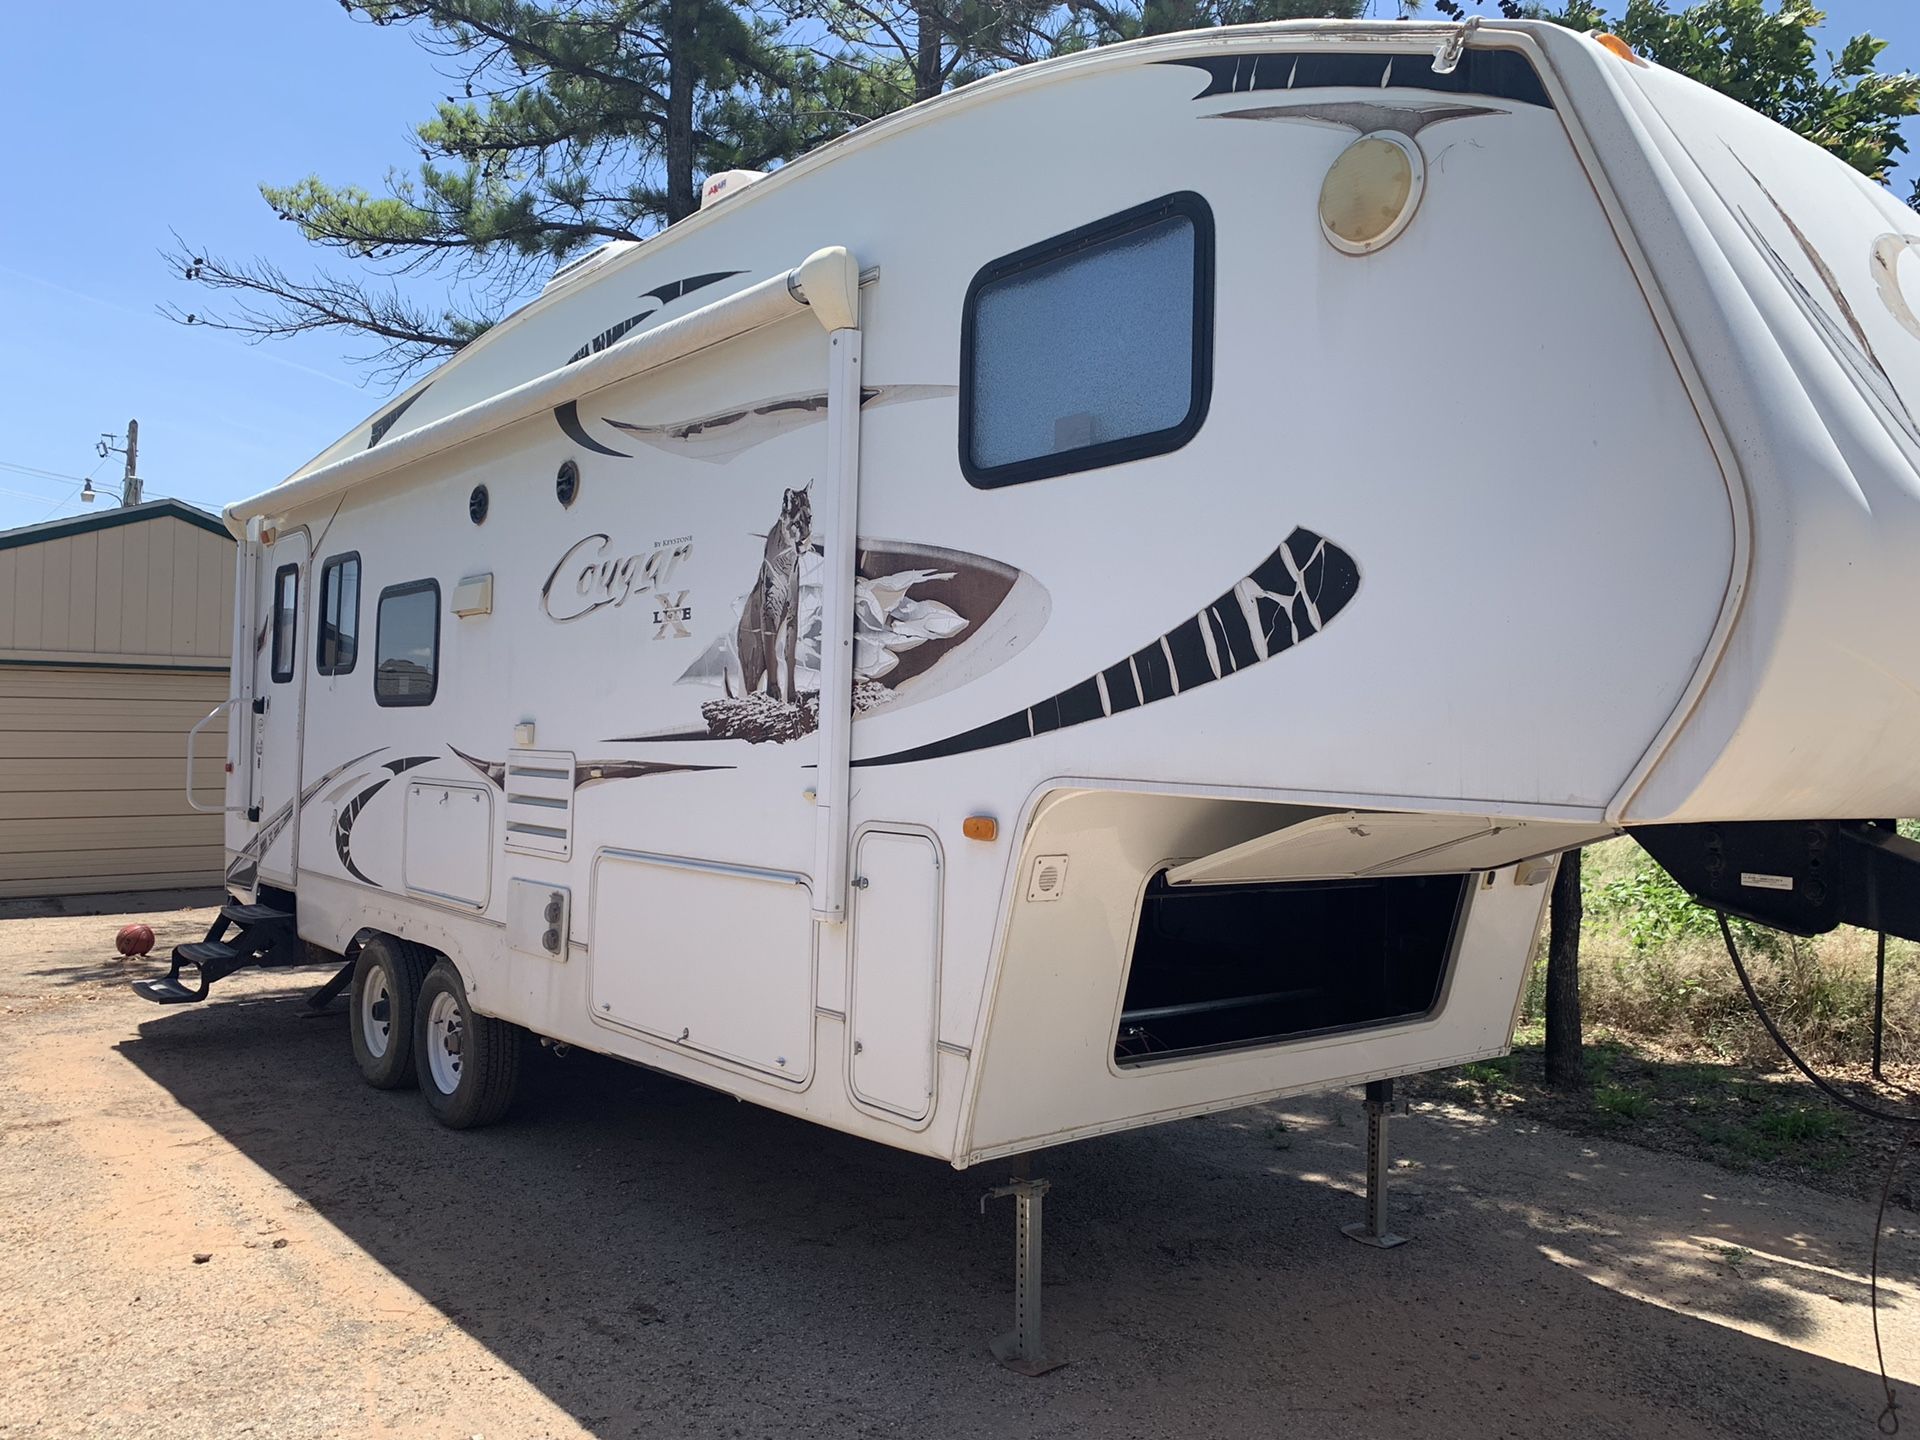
{"type": "Point", "coordinates": [718, 187]}
{"type": "Point", "coordinates": [592, 260]}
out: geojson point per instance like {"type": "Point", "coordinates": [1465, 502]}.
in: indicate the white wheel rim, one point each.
{"type": "Point", "coordinates": [376, 1012]}
{"type": "Point", "coordinates": [444, 1042]}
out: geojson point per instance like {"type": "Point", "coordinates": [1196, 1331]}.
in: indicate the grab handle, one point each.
{"type": "Point", "coordinates": [193, 734]}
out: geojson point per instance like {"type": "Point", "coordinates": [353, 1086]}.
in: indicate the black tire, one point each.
{"type": "Point", "coordinates": [485, 1066]}
{"type": "Point", "coordinates": [398, 967]}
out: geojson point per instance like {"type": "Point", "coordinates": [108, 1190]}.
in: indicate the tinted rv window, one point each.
{"type": "Point", "coordinates": [286, 620]}
{"type": "Point", "coordinates": [1091, 348]}
{"type": "Point", "coordinates": [337, 643]}
{"type": "Point", "coordinates": [406, 644]}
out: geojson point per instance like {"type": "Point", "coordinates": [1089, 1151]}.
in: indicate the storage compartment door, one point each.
{"type": "Point", "coordinates": [448, 851]}
{"type": "Point", "coordinates": [896, 972]}
{"type": "Point", "coordinates": [710, 956]}
{"type": "Point", "coordinates": [1359, 843]}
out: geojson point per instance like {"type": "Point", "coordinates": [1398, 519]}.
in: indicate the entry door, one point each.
{"type": "Point", "coordinates": [896, 971]}
{"type": "Point", "coordinates": [280, 663]}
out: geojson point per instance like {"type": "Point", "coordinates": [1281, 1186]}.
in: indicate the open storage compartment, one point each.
{"type": "Point", "coordinates": [1223, 967]}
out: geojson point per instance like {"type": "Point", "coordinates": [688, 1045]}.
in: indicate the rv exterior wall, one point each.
{"type": "Point", "coordinates": [1282, 567]}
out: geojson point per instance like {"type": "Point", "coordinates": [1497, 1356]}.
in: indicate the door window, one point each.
{"type": "Point", "coordinates": [286, 621]}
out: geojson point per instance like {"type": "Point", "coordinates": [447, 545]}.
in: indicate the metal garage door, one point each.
{"type": "Point", "coordinates": [91, 769]}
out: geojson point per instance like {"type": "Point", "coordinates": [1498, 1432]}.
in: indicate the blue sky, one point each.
{"type": "Point", "coordinates": [154, 116]}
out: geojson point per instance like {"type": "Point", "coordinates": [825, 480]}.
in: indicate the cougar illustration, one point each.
{"type": "Point", "coordinates": [770, 622]}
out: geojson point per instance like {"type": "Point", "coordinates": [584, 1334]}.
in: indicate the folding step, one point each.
{"type": "Point", "coordinates": [168, 991]}
{"type": "Point", "coordinates": [264, 933]}
{"type": "Point", "coordinates": [255, 915]}
{"type": "Point", "coordinates": [212, 958]}
{"type": "Point", "coordinates": [205, 952]}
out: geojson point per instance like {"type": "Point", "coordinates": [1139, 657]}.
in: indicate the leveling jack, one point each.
{"type": "Point", "coordinates": [1373, 1230]}
{"type": "Point", "coordinates": [1023, 1348]}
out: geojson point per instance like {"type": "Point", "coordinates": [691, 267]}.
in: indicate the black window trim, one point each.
{"type": "Point", "coordinates": [331, 564]}
{"type": "Point", "coordinates": [1187, 204]}
{"type": "Point", "coordinates": [406, 587]}
{"type": "Point", "coordinates": [275, 673]}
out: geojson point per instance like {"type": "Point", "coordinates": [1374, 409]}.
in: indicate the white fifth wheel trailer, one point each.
{"type": "Point", "coordinates": [1097, 598]}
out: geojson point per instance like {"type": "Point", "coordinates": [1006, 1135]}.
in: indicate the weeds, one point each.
{"type": "Point", "coordinates": [1796, 1124]}
{"type": "Point", "coordinates": [1653, 968]}
{"type": "Point", "coordinates": [1621, 1103]}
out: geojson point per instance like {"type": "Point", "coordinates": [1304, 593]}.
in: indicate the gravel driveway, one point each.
{"type": "Point", "coordinates": [630, 1255]}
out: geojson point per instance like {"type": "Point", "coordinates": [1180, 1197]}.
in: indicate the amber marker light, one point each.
{"type": "Point", "coordinates": [1618, 46]}
{"type": "Point", "coordinates": [980, 827]}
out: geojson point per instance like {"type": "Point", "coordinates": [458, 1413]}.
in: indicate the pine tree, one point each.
{"type": "Point", "coordinates": [572, 122]}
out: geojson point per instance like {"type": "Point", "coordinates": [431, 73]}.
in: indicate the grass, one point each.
{"type": "Point", "coordinates": [1676, 1060]}
{"type": "Point", "coordinates": [1621, 1103]}
{"type": "Point", "coordinates": [1653, 968]}
{"type": "Point", "coordinates": [1734, 1115]}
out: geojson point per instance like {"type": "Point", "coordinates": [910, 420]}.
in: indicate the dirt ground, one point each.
{"type": "Point", "coordinates": [633, 1256]}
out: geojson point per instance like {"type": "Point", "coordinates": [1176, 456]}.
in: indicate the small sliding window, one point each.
{"type": "Point", "coordinates": [1089, 349]}
{"type": "Point", "coordinates": [337, 643]}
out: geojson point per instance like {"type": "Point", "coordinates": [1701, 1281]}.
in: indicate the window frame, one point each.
{"type": "Point", "coordinates": [332, 564]}
{"type": "Point", "coordinates": [405, 587]}
{"type": "Point", "coordinates": [275, 673]}
{"type": "Point", "coordinates": [1189, 205]}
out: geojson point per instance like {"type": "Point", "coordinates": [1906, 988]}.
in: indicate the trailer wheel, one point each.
{"type": "Point", "coordinates": [468, 1064]}
{"type": "Point", "coordinates": [386, 989]}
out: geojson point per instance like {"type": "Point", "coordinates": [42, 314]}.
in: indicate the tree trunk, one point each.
{"type": "Point", "coordinates": [1565, 1069]}
{"type": "Point", "coordinates": [928, 26]}
{"type": "Point", "coordinates": [681, 64]}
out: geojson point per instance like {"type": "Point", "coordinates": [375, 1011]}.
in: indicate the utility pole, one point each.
{"type": "Point", "coordinates": [130, 490]}
{"type": "Point", "coordinates": [130, 485]}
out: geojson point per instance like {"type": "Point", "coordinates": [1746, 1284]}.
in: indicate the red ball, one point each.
{"type": "Point", "coordinates": [134, 939]}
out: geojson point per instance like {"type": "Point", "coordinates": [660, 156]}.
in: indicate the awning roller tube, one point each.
{"type": "Point", "coordinates": [827, 277]}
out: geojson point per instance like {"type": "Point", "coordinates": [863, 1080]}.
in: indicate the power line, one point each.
{"type": "Point", "coordinates": [36, 471]}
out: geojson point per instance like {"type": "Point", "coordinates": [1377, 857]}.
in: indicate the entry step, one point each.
{"type": "Point", "coordinates": [205, 952]}
{"type": "Point", "coordinates": [167, 991]}
{"type": "Point", "coordinates": [254, 914]}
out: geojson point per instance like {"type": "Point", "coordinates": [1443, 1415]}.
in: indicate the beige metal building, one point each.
{"type": "Point", "coordinates": [114, 633]}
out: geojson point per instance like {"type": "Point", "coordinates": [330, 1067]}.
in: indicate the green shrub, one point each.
{"type": "Point", "coordinates": [1648, 906]}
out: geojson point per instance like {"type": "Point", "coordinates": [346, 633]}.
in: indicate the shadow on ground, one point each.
{"type": "Point", "coordinates": [658, 1258]}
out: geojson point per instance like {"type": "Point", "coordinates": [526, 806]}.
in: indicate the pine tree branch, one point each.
{"type": "Point", "coordinates": [269, 303]}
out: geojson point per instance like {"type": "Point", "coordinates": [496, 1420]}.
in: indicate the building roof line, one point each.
{"type": "Point", "coordinates": [167, 509]}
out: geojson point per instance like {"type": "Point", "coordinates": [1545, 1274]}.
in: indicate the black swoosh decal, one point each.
{"type": "Point", "coordinates": [568, 418]}
{"type": "Point", "coordinates": [662, 296]}
{"type": "Point", "coordinates": [1501, 74]}
{"type": "Point", "coordinates": [588, 772]}
{"type": "Point", "coordinates": [248, 858]}
{"type": "Point", "coordinates": [385, 422]}
{"type": "Point", "coordinates": [1288, 597]}
{"type": "Point", "coordinates": [343, 829]}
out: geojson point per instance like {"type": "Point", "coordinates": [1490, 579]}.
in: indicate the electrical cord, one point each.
{"type": "Point", "coordinates": [1889, 1421]}
{"type": "Point", "coordinates": [1826, 1088]}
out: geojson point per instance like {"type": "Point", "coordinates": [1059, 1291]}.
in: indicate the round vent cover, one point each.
{"type": "Point", "coordinates": [477, 505]}
{"type": "Point", "coordinates": [1371, 192]}
{"type": "Point", "coordinates": [566, 484]}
